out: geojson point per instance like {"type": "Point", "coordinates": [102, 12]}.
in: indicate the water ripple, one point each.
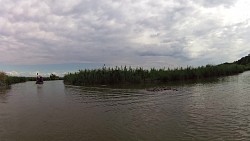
{"type": "Point", "coordinates": [204, 111]}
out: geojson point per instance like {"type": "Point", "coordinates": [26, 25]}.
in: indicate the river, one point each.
{"type": "Point", "coordinates": [215, 110]}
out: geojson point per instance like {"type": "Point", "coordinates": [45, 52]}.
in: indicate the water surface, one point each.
{"type": "Point", "coordinates": [217, 110]}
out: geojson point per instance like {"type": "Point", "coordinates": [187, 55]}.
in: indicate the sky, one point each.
{"type": "Point", "coordinates": [61, 36]}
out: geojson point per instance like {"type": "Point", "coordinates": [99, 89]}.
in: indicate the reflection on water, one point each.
{"type": "Point", "coordinates": [215, 110]}
{"type": "Point", "coordinates": [3, 94]}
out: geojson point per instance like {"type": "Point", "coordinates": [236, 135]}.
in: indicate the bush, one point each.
{"type": "Point", "coordinates": [2, 78]}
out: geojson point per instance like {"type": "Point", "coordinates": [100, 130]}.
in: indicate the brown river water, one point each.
{"type": "Point", "coordinates": [216, 110]}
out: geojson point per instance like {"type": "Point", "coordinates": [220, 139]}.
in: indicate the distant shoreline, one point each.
{"type": "Point", "coordinates": [6, 80]}
{"type": "Point", "coordinates": [131, 76]}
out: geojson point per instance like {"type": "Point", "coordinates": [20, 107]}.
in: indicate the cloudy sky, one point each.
{"type": "Point", "coordinates": [58, 36]}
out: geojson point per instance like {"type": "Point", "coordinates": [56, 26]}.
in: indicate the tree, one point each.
{"type": "Point", "coordinates": [53, 77]}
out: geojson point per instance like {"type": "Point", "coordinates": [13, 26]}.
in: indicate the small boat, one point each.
{"type": "Point", "coordinates": [39, 79]}
{"type": "Point", "coordinates": [39, 82]}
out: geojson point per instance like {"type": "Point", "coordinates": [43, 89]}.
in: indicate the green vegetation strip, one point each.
{"type": "Point", "coordinates": [124, 75]}
{"type": "Point", "coordinates": [8, 80]}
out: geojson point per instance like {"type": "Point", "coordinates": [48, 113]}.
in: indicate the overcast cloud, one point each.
{"type": "Point", "coordinates": [148, 33]}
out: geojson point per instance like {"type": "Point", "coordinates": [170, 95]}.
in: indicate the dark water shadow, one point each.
{"type": "Point", "coordinates": [4, 93]}
{"type": "Point", "coordinates": [155, 84]}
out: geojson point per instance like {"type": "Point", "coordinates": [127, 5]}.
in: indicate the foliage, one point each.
{"type": "Point", "coordinates": [2, 78]}
{"type": "Point", "coordinates": [243, 61]}
{"type": "Point", "coordinates": [7, 80]}
{"type": "Point", "coordinates": [14, 79]}
{"type": "Point", "coordinates": [121, 75]}
{"type": "Point", "coordinates": [44, 78]}
{"type": "Point", "coordinates": [54, 77]}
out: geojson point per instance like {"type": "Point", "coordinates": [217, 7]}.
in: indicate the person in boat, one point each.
{"type": "Point", "coordinates": [39, 78]}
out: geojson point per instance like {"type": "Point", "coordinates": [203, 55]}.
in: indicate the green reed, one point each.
{"type": "Point", "coordinates": [14, 79]}
{"type": "Point", "coordinates": [2, 78]}
{"type": "Point", "coordinates": [129, 75]}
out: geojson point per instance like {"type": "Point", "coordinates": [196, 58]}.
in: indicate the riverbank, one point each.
{"type": "Point", "coordinates": [124, 75]}
{"type": "Point", "coordinates": [6, 80]}
{"type": "Point", "coordinates": [2, 79]}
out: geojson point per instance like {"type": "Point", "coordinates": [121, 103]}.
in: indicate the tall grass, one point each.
{"type": "Point", "coordinates": [14, 79]}
{"type": "Point", "coordinates": [8, 80]}
{"type": "Point", "coordinates": [2, 78]}
{"type": "Point", "coordinates": [123, 75]}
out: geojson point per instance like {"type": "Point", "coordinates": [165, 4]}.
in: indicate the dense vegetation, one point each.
{"type": "Point", "coordinates": [14, 79]}
{"type": "Point", "coordinates": [123, 75]}
{"type": "Point", "coordinates": [8, 80]}
{"type": "Point", "coordinates": [54, 77]}
{"type": "Point", "coordinates": [244, 61]}
{"type": "Point", "coordinates": [2, 78]}
{"type": "Point", "coordinates": [51, 77]}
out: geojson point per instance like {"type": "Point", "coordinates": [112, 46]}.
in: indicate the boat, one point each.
{"type": "Point", "coordinates": [39, 82]}
{"type": "Point", "coordinates": [39, 79]}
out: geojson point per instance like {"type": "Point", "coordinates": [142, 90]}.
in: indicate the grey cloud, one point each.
{"type": "Point", "coordinates": [113, 32]}
{"type": "Point", "coordinates": [214, 3]}
{"type": "Point", "coordinates": [170, 47]}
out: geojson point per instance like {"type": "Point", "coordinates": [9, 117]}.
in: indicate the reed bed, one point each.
{"type": "Point", "coordinates": [129, 75]}
{"type": "Point", "coordinates": [14, 79]}
{"type": "Point", "coordinates": [2, 78]}
{"type": "Point", "coordinates": [8, 80]}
